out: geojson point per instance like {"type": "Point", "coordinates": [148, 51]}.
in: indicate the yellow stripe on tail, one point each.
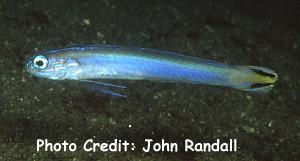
{"type": "Point", "coordinates": [253, 79]}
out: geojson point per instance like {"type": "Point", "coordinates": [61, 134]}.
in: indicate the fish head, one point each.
{"type": "Point", "coordinates": [48, 66]}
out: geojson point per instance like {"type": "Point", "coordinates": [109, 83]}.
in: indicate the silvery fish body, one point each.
{"type": "Point", "coordinates": [132, 63]}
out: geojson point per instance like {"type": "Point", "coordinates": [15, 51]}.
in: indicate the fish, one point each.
{"type": "Point", "coordinates": [91, 63]}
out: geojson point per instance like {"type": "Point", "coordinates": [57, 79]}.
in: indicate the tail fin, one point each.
{"type": "Point", "coordinates": [254, 79]}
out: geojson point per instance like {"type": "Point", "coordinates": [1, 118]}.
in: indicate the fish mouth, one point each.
{"type": "Point", "coordinates": [29, 66]}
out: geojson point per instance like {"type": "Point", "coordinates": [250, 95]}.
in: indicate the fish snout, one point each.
{"type": "Point", "coordinates": [29, 65]}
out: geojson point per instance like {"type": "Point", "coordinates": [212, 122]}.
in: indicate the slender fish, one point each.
{"type": "Point", "coordinates": [90, 63]}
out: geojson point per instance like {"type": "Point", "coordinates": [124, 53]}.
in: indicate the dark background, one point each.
{"type": "Point", "coordinates": [264, 33]}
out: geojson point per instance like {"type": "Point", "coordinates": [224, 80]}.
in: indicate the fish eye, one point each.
{"type": "Point", "coordinates": [40, 62]}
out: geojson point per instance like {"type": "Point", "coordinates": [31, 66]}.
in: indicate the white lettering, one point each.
{"type": "Point", "coordinates": [64, 146]}
{"type": "Point", "coordinates": [188, 145]}
{"type": "Point", "coordinates": [116, 146]}
{"type": "Point", "coordinates": [85, 145]}
{"type": "Point", "coordinates": [160, 146]}
{"type": "Point", "coordinates": [39, 143]}
{"type": "Point", "coordinates": [148, 145]}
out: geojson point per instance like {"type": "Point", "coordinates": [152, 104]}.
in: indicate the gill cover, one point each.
{"type": "Point", "coordinates": [65, 68]}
